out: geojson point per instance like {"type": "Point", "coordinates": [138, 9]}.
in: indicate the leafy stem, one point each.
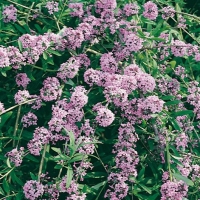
{"type": "Point", "coordinates": [42, 161]}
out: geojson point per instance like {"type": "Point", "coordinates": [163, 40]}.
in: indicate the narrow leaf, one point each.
{"type": "Point", "coordinates": [183, 178]}
{"type": "Point", "coordinates": [69, 176]}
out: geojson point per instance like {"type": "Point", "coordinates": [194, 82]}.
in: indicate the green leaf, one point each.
{"type": "Point", "coordinates": [60, 157]}
{"type": "Point", "coordinates": [141, 174]}
{"type": "Point", "coordinates": [20, 45]}
{"type": "Point", "coordinates": [15, 179]}
{"type": "Point", "coordinates": [19, 28]}
{"type": "Point", "coordinates": [76, 158]}
{"type": "Point", "coordinates": [72, 142]}
{"type": "Point", "coordinates": [33, 177]}
{"type": "Point", "coordinates": [97, 186]}
{"type": "Point", "coordinates": [54, 52]}
{"type": "Point", "coordinates": [95, 175]}
{"type": "Point", "coordinates": [69, 176]}
{"type": "Point", "coordinates": [174, 102]}
{"type": "Point", "coordinates": [1, 191]}
{"type": "Point", "coordinates": [57, 150]}
{"type": "Point", "coordinates": [45, 55]}
{"type": "Point", "coordinates": [4, 118]}
{"type": "Point", "coordinates": [147, 189]}
{"type": "Point", "coordinates": [182, 112]}
{"type": "Point", "coordinates": [32, 158]}
{"type": "Point", "coordinates": [167, 97]}
{"type": "Point", "coordinates": [6, 186]}
{"type": "Point", "coordinates": [173, 64]}
{"type": "Point", "coordinates": [8, 163]}
{"type": "Point", "coordinates": [183, 178]}
{"type": "Point", "coordinates": [58, 167]}
{"type": "Point", "coordinates": [70, 82]}
{"type": "Point", "coordinates": [175, 124]}
{"type": "Point", "coordinates": [28, 71]}
{"type": "Point", "coordinates": [19, 196]}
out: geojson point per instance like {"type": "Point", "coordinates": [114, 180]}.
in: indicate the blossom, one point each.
{"type": "Point", "coordinates": [15, 156]}
{"type": "Point", "coordinates": [22, 80]}
{"type": "Point", "coordinates": [104, 117]}
{"type": "Point", "coordinates": [68, 69]}
{"type": "Point", "coordinates": [150, 10]}
{"type": "Point", "coordinates": [115, 95]}
{"type": "Point", "coordinates": [15, 57]}
{"type": "Point", "coordinates": [4, 59]}
{"type": "Point", "coordinates": [77, 9]}
{"type": "Point", "coordinates": [22, 96]}
{"type": "Point", "coordinates": [130, 9]}
{"type": "Point", "coordinates": [133, 42]}
{"type": "Point", "coordinates": [51, 89]}
{"type": "Point", "coordinates": [9, 14]}
{"type": "Point", "coordinates": [175, 190]}
{"type": "Point", "coordinates": [179, 48]}
{"type": "Point", "coordinates": [105, 4]}
{"type": "Point", "coordinates": [33, 189]}
{"type": "Point", "coordinates": [52, 7]}
{"type": "Point", "coordinates": [168, 11]}
{"type": "Point", "coordinates": [2, 109]}
{"type": "Point", "coordinates": [78, 98]}
{"type": "Point", "coordinates": [182, 141]}
{"type": "Point", "coordinates": [29, 119]}
{"type": "Point", "coordinates": [108, 63]}
{"type": "Point", "coordinates": [91, 76]}
{"type": "Point", "coordinates": [145, 82]}
{"type": "Point", "coordinates": [41, 136]}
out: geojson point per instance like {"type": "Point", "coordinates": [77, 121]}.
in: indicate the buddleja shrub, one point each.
{"type": "Point", "coordinates": [99, 100]}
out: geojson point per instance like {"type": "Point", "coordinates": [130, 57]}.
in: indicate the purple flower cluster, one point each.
{"type": "Point", "coordinates": [33, 46]}
{"type": "Point", "coordinates": [126, 161]}
{"type": "Point", "coordinates": [2, 109]}
{"type": "Point", "coordinates": [176, 190]}
{"type": "Point", "coordinates": [16, 156]}
{"type": "Point", "coordinates": [22, 80]}
{"type": "Point", "coordinates": [73, 190]}
{"type": "Point", "coordinates": [29, 119]}
{"type": "Point", "coordinates": [52, 7]}
{"type": "Point", "coordinates": [108, 63]}
{"type": "Point", "coordinates": [77, 9]}
{"type": "Point", "coordinates": [126, 88]}
{"type": "Point", "coordinates": [22, 96]}
{"type": "Point", "coordinates": [41, 136]}
{"type": "Point", "coordinates": [150, 10]}
{"type": "Point", "coordinates": [33, 190]}
{"type": "Point", "coordinates": [69, 69]}
{"type": "Point", "coordinates": [4, 59]}
{"type": "Point", "coordinates": [131, 9]}
{"type": "Point", "coordinates": [9, 14]}
{"type": "Point", "coordinates": [168, 12]}
{"type": "Point", "coordinates": [51, 89]}
{"type": "Point", "coordinates": [104, 117]}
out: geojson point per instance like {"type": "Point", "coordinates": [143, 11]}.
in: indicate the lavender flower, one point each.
{"type": "Point", "coordinates": [104, 117]}
{"type": "Point", "coordinates": [21, 96]}
{"type": "Point", "coordinates": [9, 14]}
{"type": "Point", "coordinates": [29, 119]}
{"type": "Point", "coordinates": [150, 10]}
{"type": "Point", "coordinates": [77, 9]}
{"type": "Point", "coordinates": [51, 89]}
{"type": "Point", "coordinates": [52, 7]}
{"type": "Point", "coordinates": [33, 190]}
{"type": "Point", "coordinates": [2, 109]}
{"type": "Point", "coordinates": [4, 59]}
{"type": "Point", "coordinates": [22, 80]}
{"type": "Point", "coordinates": [69, 69]}
{"type": "Point", "coordinates": [15, 156]}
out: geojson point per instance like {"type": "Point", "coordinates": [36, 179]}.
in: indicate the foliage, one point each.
{"type": "Point", "coordinates": [99, 100]}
